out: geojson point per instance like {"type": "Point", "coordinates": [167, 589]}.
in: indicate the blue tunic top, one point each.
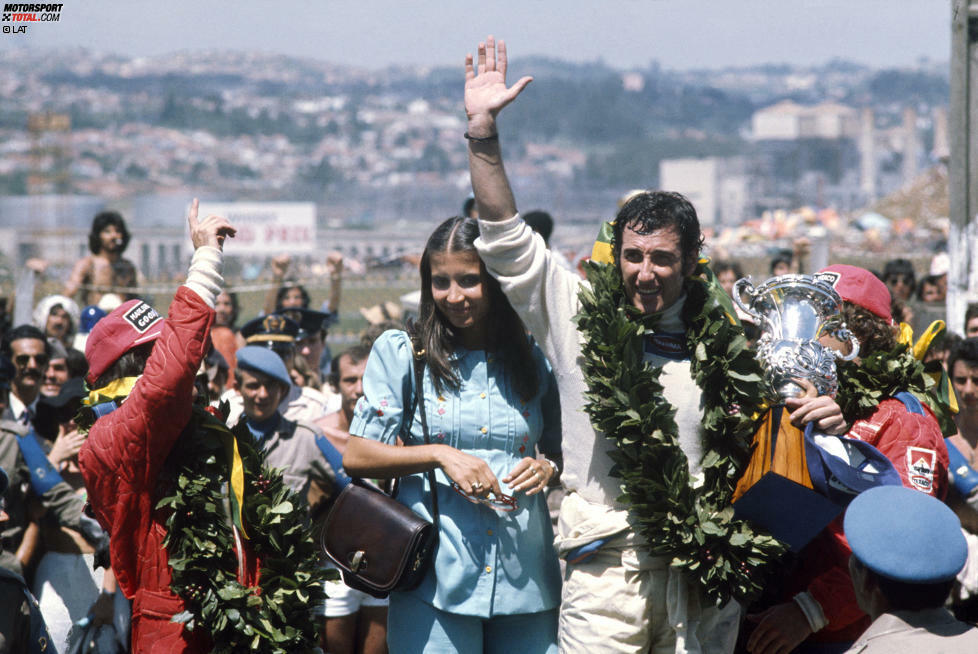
{"type": "Point", "coordinates": [488, 562]}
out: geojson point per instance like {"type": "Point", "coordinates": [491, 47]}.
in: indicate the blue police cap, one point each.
{"type": "Point", "coordinates": [261, 360]}
{"type": "Point", "coordinates": [905, 535]}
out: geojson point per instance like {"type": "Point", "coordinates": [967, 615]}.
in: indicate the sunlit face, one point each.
{"type": "Point", "coordinates": [223, 310]}
{"type": "Point", "coordinates": [31, 361]}
{"type": "Point", "coordinates": [261, 395]}
{"type": "Point", "coordinates": [971, 328]}
{"type": "Point", "coordinates": [901, 286]}
{"type": "Point", "coordinates": [58, 324]}
{"type": "Point", "coordinates": [727, 279]}
{"type": "Point", "coordinates": [652, 268]}
{"type": "Point", "coordinates": [110, 238]}
{"type": "Point", "coordinates": [311, 348]}
{"type": "Point", "coordinates": [458, 286]}
{"type": "Point", "coordinates": [964, 376]}
{"type": "Point", "coordinates": [292, 299]}
{"type": "Point", "coordinates": [351, 382]}
{"type": "Point", "coordinates": [55, 375]}
{"type": "Point", "coordinates": [930, 293]}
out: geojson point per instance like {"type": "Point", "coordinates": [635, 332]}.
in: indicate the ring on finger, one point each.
{"type": "Point", "coordinates": [477, 485]}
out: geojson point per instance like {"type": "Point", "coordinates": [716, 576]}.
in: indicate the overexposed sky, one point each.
{"type": "Point", "coordinates": [624, 33]}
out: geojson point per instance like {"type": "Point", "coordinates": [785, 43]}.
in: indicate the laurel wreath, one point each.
{"type": "Point", "coordinates": [883, 374]}
{"type": "Point", "coordinates": [693, 524]}
{"type": "Point", "coordinates": [277, 615]}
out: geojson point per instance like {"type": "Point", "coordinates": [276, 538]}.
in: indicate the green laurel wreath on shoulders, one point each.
{"type": "Point", "coordinates": [883, 374]}
{"type": "Point", "coordinates": [695, 526]}
{"type": "Point", "coordinates": [276, 616]}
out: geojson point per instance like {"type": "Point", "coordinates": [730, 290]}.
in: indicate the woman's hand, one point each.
{"type": "Point", "coordinates": [486, 93]}
{"type": "Point", "coordinates": [471, 473]}
{"type": "Point", "coordinates": [819, 409]}
{"type": "Point", "coordinates": [530, 476]}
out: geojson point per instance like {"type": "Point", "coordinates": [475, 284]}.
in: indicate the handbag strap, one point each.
{"type": "Point", "coordinates": [418, 361]}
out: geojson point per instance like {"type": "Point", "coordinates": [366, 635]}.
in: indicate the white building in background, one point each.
{"type": "Point", "coordinates": [788, 120]}
{"type": "Point", "coordinates": [717, 187]}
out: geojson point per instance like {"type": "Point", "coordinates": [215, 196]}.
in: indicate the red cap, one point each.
{"type": "Point", "coordinates": [132, 323]}
{"type": "Point", "coordinates": [860, 287]}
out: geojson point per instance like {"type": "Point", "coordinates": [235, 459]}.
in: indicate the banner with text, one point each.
{"type": "Point", "coordinates": [267, 228]}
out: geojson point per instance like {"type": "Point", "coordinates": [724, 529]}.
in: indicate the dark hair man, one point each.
{"type": "Point", "coordinates": [971, 321]}
{"type": "Point", "coordinates": [962, 368]}
{"type": "Point", "coordinates": [613, 584]}
{"type": "Point", "coordinates": [907, 549]}
{"type": "Point", "coordinates": [105, 267]}
{"type": "Point", "coordinates": [30, 353]}
{"type": "Point", "coordinates": [347, 379]}
{"type": "Point", "coordinates": [899, 276]}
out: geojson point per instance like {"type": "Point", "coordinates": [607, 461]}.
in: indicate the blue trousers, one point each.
{"type": "Point", "coordinates": [414, 627]}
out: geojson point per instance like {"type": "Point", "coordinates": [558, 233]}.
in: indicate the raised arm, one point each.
{"type": "Point", "coordinates": [334, 266]}
{"type": "Point", "coordinates": [486, 94]}
{"type": "Point", "coordinates": [280, 267]}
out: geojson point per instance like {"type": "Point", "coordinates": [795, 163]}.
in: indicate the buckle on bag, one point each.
{"type": "Point", "coordinates": [357, 561]}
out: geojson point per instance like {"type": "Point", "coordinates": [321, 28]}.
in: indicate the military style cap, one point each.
{"type": "Point", "coordinates": [310, 321]}
{"type": "Point", "coordinates": [905, 535]}
{"type": "Point", "coordinates": [271, 329]}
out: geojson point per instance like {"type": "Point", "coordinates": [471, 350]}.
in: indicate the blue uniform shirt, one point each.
{"type": "Point", "coordinates": [488, 562]}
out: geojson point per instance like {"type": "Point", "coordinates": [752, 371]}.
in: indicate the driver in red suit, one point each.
{"type": "Point", "coordinates": [127, 448]}
{"type": "Point", "coordinates": [820, 613]}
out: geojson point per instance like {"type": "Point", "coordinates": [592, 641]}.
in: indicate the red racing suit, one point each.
{"type": "Point", "coordinates": [122, 461]}
{"type": "Point", "coordinates": [908, 434]}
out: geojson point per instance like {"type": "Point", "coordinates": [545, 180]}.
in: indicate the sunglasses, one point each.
{"type": "Point", "coordinates": [499, 502]}
{"type": "Point", "coordinates": [899, 279]}
{"type": "Point", "coordinates": [40, 359]}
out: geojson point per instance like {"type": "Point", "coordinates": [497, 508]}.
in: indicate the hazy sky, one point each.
{"type": "Point", "coordinates": [376, 33]}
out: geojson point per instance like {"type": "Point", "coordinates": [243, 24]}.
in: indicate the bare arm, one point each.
{"type": "Point", "coordinates": [485, 96]}
{"type": "Point", "coordinates": [78, 275]}
{"type": "Point", "coordinates": [368, 458]}
{"type": "Point", "coordinates": [334, 264]}
{"type": "Point", "coordinates": [280, 266]}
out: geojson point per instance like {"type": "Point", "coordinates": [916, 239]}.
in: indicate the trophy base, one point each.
{"type": "Point", "coordinates": [791, 512]}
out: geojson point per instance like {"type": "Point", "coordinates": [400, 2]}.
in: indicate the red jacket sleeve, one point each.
{"type": "Point", "coordinates": [125, 450]}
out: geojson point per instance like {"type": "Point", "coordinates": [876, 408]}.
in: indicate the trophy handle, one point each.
{"type": "Point", "coordinates": [743, 285]}
{"type": "Point", "coordinates": [844, 334]}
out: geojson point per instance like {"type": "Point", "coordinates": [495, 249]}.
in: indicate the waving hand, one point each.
{"type": "Point", "coordinates": [486, 92]}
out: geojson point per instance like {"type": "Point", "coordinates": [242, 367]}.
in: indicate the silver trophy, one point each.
{"type": "Point", "coordinates": [793, 312]}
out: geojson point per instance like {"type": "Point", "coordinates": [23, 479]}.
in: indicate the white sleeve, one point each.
{"type": "Point", "coordinates": [543, 293]}
{"type": "Point", "coordinates": [204, 276]}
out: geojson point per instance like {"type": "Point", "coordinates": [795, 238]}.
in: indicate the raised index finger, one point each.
{"type": "Point", "coordinates": [192, 216]}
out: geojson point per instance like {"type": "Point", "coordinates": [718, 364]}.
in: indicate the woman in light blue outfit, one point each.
{"type": "Point", "coordinates": [491, 404]}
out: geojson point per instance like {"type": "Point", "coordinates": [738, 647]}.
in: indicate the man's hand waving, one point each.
{"type": "Point", "coordinates": [485, 88]}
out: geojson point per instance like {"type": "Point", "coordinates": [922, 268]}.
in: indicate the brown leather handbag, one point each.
{"type": "Point", "coordinates": [379, 544]}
